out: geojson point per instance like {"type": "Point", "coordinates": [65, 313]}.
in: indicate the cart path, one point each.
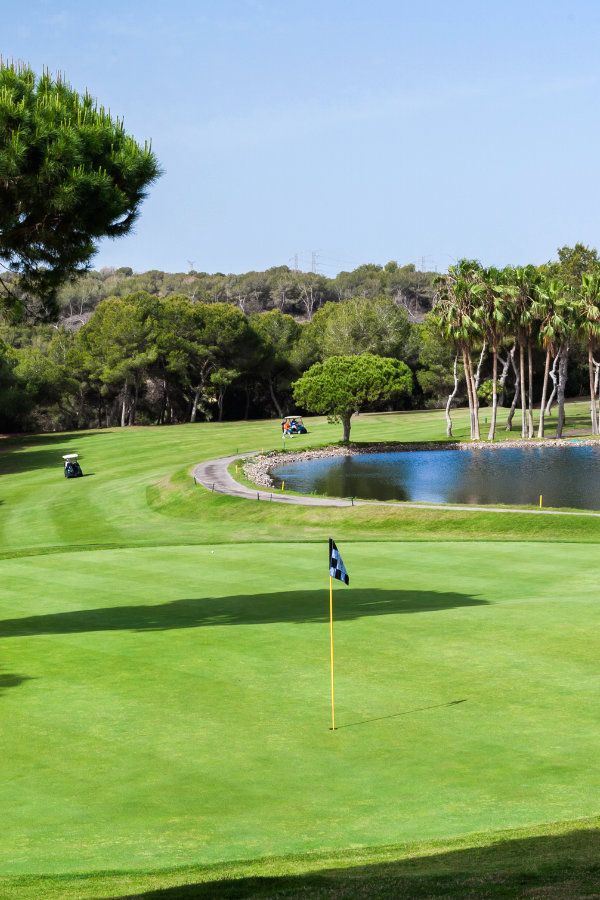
{"type": "Point", "coordinates": [214, 476]}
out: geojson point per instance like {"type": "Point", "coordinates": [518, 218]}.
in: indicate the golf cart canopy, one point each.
{"type": "Point", "coordinates": [69, 456]}
{"type": "Point", "coordinates": [289, 418]}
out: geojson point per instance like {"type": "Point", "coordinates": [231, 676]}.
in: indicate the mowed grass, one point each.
{"type": "Point", "coordinates": [138, 490]}
{"type": "Point", "coordinates": [164, 675]}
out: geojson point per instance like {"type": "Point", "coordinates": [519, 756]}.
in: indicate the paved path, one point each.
{"type": "Point", "coordinates": [215, 476]}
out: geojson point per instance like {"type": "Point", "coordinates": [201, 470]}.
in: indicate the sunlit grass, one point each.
{"type": "Point", "coordinates": [164, 692]}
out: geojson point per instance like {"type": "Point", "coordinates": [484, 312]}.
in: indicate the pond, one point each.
{"type": "Point", "coordinates": [566, 476]}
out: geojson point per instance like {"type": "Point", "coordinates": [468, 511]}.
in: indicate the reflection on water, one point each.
{"type": "Point", "coordinates": [566, 476]}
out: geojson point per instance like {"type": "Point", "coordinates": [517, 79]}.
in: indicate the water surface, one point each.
{"type": "Point", "coordinates": [566, 476]}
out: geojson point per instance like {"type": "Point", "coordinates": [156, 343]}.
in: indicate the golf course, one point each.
{"type": "Point", "coordinates": [164, 681]}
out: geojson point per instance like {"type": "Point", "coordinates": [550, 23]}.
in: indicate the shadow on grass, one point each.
{"type": "Point", "coordinates": [261, 609]}
{"type": "Point", "coordinates": [25, 453]}
{"type": "Point", "coordinates": [11, 680]}
{"type": "Point", "coordinates": [406, 712]}
{"type": "Point", "coordinates": [558, 866]}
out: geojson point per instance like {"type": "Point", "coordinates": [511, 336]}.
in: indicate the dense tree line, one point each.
{"type": "Point", "coordinates": [517, 337]}
{"type": "Point", "coordinates": [143, 359]}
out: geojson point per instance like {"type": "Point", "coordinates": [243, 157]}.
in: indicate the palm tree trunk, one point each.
{"type": "Point", "coordinates": [523, 394]}
{"type": "Point", "coordinates": [544, 391]}
{"type": "Point", "coordinates": [492, 431]}
{"type": "Point", "coordinates": [479, 366]}
{"type": "Point", "coordinates": [504, 375]}
{"type": "Point", "coordinates": [530, 389]}
{"type": "Point", "coordinates": [553, 376]}
{"type": "Point", "coordinates": [592, 375]}
{"type": "Point", "coordinates": [562, 383]}
{"type": "Point", "coordinates": [466, 359]}
{"type": "Point", "coordinates": [517, 395]}
{"type": "Point", "coordinates": [451, 398]}
{"type": "Point", "coordinates": [475, 434]}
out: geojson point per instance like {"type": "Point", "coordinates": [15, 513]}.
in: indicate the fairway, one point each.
{"type": "Point", "coordinates": [164, 664]}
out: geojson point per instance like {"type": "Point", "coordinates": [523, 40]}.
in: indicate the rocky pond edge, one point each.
{"type": "Point", "coordinates": [258, 468]}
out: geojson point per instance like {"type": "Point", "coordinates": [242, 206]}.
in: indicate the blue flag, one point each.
{"type": "Point", "coordinates": [337, 569]}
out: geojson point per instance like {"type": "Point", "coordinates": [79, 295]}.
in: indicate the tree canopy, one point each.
{"type": "Point", "coordinates": [375, 325]}
{"type": "Point", "coordinates": [69, 175]}
{"type": "Point", "coordinates": [343, 385]}
{"type": "Point", "coordinates": [278, 334]}
{"type": "Point", "coordinates": [278, 288]}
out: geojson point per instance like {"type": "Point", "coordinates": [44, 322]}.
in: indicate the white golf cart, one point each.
{"type": "Point", "coordinates": [72, 467]}
{"type": "Point", "coordinates": [292, 425]}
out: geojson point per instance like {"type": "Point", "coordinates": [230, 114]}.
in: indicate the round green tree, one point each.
{"type": "Point", "coordinates": [343, 385]}
{"type": "Point", "coordinates": [69, 175]}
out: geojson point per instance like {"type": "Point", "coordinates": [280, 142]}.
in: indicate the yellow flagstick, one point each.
{"type": "Point", "coordinates": [331, 651]}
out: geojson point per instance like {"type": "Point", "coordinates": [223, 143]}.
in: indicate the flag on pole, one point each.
{"type": "Point", "coordinates": [337, 569]}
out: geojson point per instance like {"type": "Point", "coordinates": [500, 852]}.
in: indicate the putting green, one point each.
{"type": "Point", "coordinates": [169, 705]}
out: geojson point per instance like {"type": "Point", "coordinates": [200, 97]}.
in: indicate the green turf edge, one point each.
{"type": "Point", "coordinates": [176, 496]}
{"type": "Point", "coordinates": [559, 855]}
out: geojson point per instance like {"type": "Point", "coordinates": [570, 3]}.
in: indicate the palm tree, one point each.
{"type": "Point", "coordinates": [569, 320]}
{"type": "Point", "coordinates": [517, 394]}
{"type": "Point", "coordinates": [458, 314]}
{"type": "Point", "coordinates": [523, 280]}
{"type": "Point", "coordinates": [551, 310]}
{"type": "Point", "coordinates": [588, 314]}
{"type": "Point", "coordinates": [494, 318]}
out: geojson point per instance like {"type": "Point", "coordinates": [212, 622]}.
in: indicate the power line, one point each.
{"type": "Point", "coordinates": [347, 262]}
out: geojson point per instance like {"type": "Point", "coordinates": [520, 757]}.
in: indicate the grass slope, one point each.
{"type": "Point", "coordinates": [556, 860]}
{"type": "Point", "coordinates": [163, 676]}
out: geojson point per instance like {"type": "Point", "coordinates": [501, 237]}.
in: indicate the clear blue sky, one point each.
{"type": "Point", "coordinates": [365, 131]}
